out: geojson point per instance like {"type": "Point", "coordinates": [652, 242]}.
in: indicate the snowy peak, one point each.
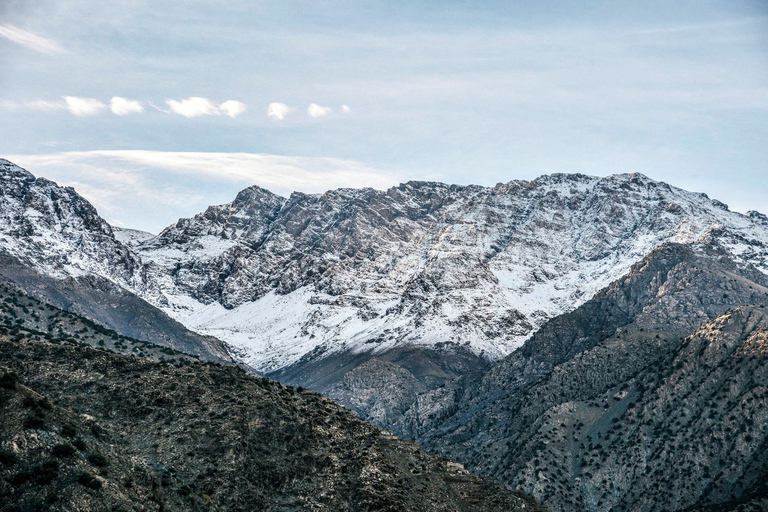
{"type": "Point", "coordinates": [244, 218]}
{"type": "Point", "coordinates": [12, 174]}
{"type": "Point", "coordinates": [423, 262]}
{"type": "Point", "coordinates": [58, 232]}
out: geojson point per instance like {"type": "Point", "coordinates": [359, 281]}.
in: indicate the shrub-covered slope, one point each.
{"type": "Point", "coordinates": [86, 429]}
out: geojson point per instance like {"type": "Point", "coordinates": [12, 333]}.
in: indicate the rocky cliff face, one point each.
{"type": "Point", "coordinates": [553, 417]}
{"type": "Point", "coordinates": [423, 263]}
{"type": "Point", "coordinates": [55, 247]}
{"type": "Point", "coordinates": [58, 233]}
{"type": "Point", "coordinates": [85, 429]}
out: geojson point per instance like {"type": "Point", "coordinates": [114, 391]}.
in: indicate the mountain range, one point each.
{"type": "Point", "coordinates": [598, 343]}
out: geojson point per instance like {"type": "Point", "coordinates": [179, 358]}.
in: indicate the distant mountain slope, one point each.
{"type": "Point", "coordinates": [540, 419]}
{"type": "Point", "coordinates": [58, 233]}
{"type": "Point", "coordinates": [24, 317]}
{"type": "Point", "coordinates": [421, 264]}
{"type": "Point", "coordinates": [55, 247]}
{"type": "Point", "coordinates": [84, 429]}
{"type": "Point", "coordinates": [130, 237]}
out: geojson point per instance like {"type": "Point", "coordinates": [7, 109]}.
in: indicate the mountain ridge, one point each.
{"type": "Point", "coordinates": [436, 263]}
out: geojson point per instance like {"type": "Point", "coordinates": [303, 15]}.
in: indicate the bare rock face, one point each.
{"type": "Point", "coordinates": [85, 429]}
{"type": "Point", "coordinates": [616, 406]}
{"type": "Point", "coordinates": [57, 232]}
{"type": "Point", "coordinates": [55, 247]}
{"type": "Point", "coordinates": [423, 263]}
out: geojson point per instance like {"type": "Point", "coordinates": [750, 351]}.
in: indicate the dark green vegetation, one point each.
{"type": "Point", "coordinates": [86, 429]}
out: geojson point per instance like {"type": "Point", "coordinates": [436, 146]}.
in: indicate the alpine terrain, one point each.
{"type": "Point", "coordinates": [598, 343]}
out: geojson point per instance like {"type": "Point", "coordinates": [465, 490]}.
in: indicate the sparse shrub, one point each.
{"type": "Point", "coordinates": [41, 474]}
{"type": "Point", "coordinates": [8, 380]}
{"type": "Point", "coordinates": [97, 459]}
{"type": "Point", "coordinates": [89, 481]}
{"type": "Point", "coordinates": [68, 430]}
{"type": "Point", "coordinates": [79, 444]}
{"type": "Point", "coordinates": [35, 420]}
{"type": "Point", "coordinates": [63, 450]}
{"type": "Point", "coordinates": [8, 458]}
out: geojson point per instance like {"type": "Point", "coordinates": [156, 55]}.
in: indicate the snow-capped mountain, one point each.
{"type": "Point", "coordinates": [55, 247]}
{"type": "Point", "coordinates": [360, 270]}
{"type": "Point", "coordinates": [424, 263]}
{"type": "Point", "coordinates": [57, 232]}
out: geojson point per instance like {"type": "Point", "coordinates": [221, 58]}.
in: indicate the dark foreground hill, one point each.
{"type": "Point", "coordinates": [85, 429]}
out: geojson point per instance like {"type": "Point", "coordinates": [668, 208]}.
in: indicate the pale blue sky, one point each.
{"type": "Point", "coordinates": [450, 91]}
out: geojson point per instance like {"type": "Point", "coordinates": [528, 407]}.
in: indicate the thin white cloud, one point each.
{"type": "Point", "coordinates": [196, 106]}
{"type": "Point", "coordinates": [84, 106]}
{"type": "Point", "coordinates": [45, 105]}
{"type": "Point", "coordinates": [163, 186]}
{"type": "Point", "coordinates": [315, 110]}
{"type": "Point", "coordinates": [123, 106]}
{"type": "Point", "coordinates": [30, 40]}
{"type": "Point", "coordinates": [346, 109]}
{"type": "Point", "coordinates": [278, 110]}
{"type": "Point", "coordinates": [232, 108]}
{"type": "Point", "coordinates": [193, 107]}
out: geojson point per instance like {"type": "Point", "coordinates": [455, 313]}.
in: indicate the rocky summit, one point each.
{"type": "Point", "coordinates": [422, 264]}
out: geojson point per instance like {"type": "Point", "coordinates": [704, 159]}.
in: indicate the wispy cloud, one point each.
{"type": "Point", "coordinates": [346, 109]}
{"type": "Point", "coordinates": [45, 105]}
{"type": "Point", "coordinates": [84, 106]}
{"type": "Point", "coordinates": [151, 189]}
{"type": "Point", "coordinates": [30, 40]}
{"type": "Point", "coordinates": [315, 110]}
{"type": "Point", "coordinates": [75, 105]}
{"type": "Point", "coordinates": [196, 106]}
{"type": "Point", "coordinates": [123, 106]}
{"type": "Point", "coordinates": [278, 110]}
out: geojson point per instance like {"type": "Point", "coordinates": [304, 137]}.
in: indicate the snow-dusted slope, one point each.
{"type": "Point", "coordinates": [58, 233]}
{"type": "Point", "coordinates": [131, 237]}
{"type": "Point", "coordinates": [55, 247]}
{"type": "Point", "coordinates": [421, 263]}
